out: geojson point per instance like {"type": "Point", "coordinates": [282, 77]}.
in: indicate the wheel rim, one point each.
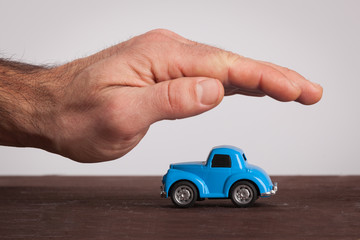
{"type": "Point", "coordinates": [184, 195]}
{"type": "Point", "coordinates": [243, 194]}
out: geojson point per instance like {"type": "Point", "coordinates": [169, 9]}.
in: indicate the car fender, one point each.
{"type": "Point", "coordinates": [261, 184]}
{"type": "Point", "coordinates": [175, 175]}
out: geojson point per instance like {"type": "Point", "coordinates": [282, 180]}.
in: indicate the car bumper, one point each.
{"type": "Point", "coordinates": [162, 192]}
{"type": "Point", "coordinates": [272, 191]}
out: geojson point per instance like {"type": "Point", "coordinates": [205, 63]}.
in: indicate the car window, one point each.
{"type": "Point", "coordinates": [221, 160]}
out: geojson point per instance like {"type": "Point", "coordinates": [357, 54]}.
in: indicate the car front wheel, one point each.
{"type": "Point", "coordinates": [243, 194]}
{"type": "Point", "coordinates": [184, 194]}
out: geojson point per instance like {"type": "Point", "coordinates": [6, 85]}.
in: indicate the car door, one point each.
{"type": "Point", "coordinates": [218, 170]}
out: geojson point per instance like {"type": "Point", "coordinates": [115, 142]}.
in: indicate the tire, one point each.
{"type": "Point", "coordinates": [184, 194]}
{"type": "Point", "coordinates": [243, 194]}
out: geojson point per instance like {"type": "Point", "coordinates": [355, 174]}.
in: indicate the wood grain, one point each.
{"type": "Point", "coordinates": [51, 207]}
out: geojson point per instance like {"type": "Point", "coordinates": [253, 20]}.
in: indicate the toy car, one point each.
{"type": "Point", "coordinates": [225, 174]}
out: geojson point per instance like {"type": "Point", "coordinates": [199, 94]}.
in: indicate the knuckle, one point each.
{"type": "Point", "coordinates": [172, 98]}
{"type": "Point", "coordinates": [164, 35]}
{"type": "Point", "coordinates": [158, 35]}
{"type": "Point", "coordinates": [232, 58]}
{"type": "Point", "coordinates": [287, 70]}
{"type": "Point", "coordinates": [173, 101]}
{"type": "Point", "coordinates": [160, 31]}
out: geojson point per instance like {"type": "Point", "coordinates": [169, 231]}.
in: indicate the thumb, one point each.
{"type": "Point", "coordinates": [180, 98]}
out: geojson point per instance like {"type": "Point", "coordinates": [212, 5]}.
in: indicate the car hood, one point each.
{"type": "Point", "coordinates": [187, 165]}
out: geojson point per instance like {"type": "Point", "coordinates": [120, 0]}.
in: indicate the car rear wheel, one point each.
{"type": "Point", "coordinates": [243, 194]}
{"type": "Point", "coordinates": [184, 194]}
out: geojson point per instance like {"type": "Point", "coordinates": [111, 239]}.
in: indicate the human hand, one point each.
{"type": "Point", "coordinates": [103, 105]}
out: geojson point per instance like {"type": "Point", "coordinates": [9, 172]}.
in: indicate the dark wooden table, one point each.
{"type": "Point", "coordinates": [326, 207]}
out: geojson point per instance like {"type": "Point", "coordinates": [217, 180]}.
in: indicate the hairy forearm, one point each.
{"type": "Point", "coordinates": [25, 99]}
{"type": "Point", "coordinates": [43, 106]}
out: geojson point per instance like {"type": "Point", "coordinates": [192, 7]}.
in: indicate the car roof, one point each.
{"type": "Point", "coordinates": [229, 147]}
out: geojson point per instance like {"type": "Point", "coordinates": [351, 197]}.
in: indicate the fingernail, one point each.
{"type": "Point", "coordinates": [208, 91]}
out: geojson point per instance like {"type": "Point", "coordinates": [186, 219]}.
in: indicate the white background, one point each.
{"type": "Point", "coordinates": [319, 39]}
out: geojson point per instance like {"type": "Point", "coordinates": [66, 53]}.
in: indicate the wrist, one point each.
{"type": "Point", "coordinates": [28, 105]}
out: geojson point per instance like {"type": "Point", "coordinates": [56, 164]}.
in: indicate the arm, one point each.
{"type": "Point", "coordinates": [23, 89]}
{"type": "Point", "coordinates": [98, 108]}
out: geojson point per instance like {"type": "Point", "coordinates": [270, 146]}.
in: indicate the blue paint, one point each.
{"type": "Point", "coordinates": [216, 182]}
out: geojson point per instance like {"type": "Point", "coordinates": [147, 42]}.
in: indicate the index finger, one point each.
{"type": "Point", "coordinates": [248, 76]}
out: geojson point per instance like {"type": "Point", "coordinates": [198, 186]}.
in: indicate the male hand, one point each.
{"type": "Point", "coordinates": [101, 106]}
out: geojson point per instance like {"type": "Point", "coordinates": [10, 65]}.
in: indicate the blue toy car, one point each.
{"type": "Point", "coordinates": [225, 174]}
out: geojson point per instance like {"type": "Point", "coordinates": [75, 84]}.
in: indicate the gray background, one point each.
{"type": "Point", "coordinates": [319, 39]}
